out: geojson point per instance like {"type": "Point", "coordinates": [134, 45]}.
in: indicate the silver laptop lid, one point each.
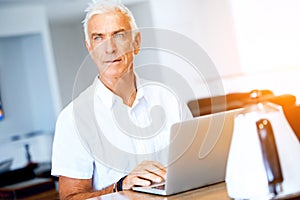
{"type": "Point", "coordinates": [198, 151]}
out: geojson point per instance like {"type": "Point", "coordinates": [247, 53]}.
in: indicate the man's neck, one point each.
{"type": "Point", "coordinates": [124, 87]}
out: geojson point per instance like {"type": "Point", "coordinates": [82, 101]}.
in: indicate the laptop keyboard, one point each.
{"type": "Point", "coordinates": [160, 186]}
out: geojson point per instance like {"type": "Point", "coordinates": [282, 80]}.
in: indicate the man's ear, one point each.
{"type": "Point", "coordinates": [137, 43]}
{"type": "Point", "coordinates": [87, 46]}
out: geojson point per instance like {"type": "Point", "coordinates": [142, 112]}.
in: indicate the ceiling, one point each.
{"type": "Point", "coordinates": [61, 10]}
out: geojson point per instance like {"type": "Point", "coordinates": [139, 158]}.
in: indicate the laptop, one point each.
{"type": "Point", "coordinates": [197, 154]}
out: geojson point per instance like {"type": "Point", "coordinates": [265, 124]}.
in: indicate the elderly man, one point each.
{"type": "Point", "coordinates": [112, 40]}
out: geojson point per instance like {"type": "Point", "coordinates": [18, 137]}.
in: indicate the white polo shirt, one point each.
{"type": "Point", "coordinates": [121, 136]}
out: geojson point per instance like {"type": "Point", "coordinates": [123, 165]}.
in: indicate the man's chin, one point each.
{"type": "Point", "coordinates": [117, 75]}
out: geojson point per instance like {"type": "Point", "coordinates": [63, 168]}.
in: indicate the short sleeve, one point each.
{"type": "Point", "coordinates": [69, 157]}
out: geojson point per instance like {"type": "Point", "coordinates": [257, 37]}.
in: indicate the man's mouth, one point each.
{"type": "Point", "coordinates": [112, 61]}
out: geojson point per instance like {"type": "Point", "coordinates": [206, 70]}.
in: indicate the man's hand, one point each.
{"type": "Point", "coordinates": [145, 174]}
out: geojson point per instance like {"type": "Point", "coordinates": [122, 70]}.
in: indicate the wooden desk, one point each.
{"type": "Point", "coordinates": [213, 192]}
{"type": "Point", "coordinates": [217, 191]}
{"type": "Point", "coordinates": [47, 195]}
{"type": "Point", "coordinates": [33, 189]}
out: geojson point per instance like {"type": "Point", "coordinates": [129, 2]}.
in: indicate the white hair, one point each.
{"type": "Point", "coordinates": [101, 7]}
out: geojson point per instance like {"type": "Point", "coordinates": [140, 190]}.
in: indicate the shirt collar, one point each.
{"type": "Point", "coordinates": [109, 98]}
{"type": "Point", "coordinates": [140, 92]}
{"type": "Point", "coordinates": [103, 93]}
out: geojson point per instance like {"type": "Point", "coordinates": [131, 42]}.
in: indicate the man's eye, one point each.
{"type": "Point", "coordinates": [97, 38]}
{"type": "Point", "coordinates": [119, 35]}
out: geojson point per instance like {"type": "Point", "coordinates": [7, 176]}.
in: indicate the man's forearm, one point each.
{"type": "Point", "coordinates": [91, 194]}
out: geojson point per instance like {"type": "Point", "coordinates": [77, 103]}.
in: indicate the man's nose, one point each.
{"type": "Point", "coordinates": [110, 46]}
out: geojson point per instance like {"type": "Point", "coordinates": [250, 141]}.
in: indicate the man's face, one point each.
{"type": "Point", "coordinates": [112, 46]}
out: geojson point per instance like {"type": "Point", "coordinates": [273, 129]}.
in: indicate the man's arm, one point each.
{"type": "Point", "coordinates": [144, 174]}
{"type": "Point", "coordinates": [72, 189]}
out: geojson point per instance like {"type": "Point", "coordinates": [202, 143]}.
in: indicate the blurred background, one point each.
{"type": "Point", "coordinates": [254, 44]}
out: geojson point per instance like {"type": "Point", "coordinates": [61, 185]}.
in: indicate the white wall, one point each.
{"type": "Point", "coordinates": [207, 27]}
{"type": "Point", "coordinates": [253, 44]}
{"type": "Point", "coordinates": [69, 52]}
{"type": "Point", "coordinates": [270, 38]}
{"type": "Point", "coordinates": [28, 75]}
{"type": "Point", "coordinates": [268, 44]}
{"type": "Point", "coordinates": [207, 22]}
{"type": "Point", "coordinates": [29, 90]}
{"type": "Point", "coordinates": [18, 115]}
